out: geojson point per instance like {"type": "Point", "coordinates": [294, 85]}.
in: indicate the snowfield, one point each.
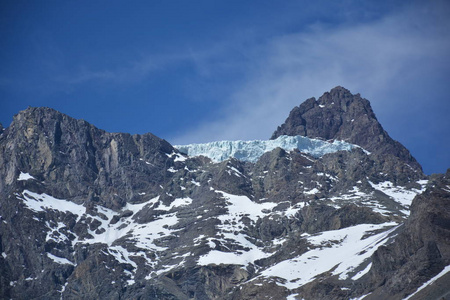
{"type": "Point", "coordinates": [339, 251]}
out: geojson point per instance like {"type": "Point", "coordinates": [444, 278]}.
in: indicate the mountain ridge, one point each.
{"type": "Point", "coordinates": [92, 214]}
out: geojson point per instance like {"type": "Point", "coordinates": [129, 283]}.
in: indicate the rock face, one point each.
{"type": "Point", "coordinates": [340, 115]}
{"type": "Point", "coordinates": [87, 214]}
{"type": "Point", "coordinates": [420, 251]}
{"type": "Point", "coordinates": [77, 160]}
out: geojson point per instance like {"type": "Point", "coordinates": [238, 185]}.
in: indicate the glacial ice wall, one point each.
{"type": "Point", "coordinates": [252, 150]}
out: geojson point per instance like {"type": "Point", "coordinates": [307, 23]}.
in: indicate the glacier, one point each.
{"type": "Point", "coordinates": [252, 150]}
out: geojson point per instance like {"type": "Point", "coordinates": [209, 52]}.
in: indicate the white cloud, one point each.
{"type": "Point", "coordinates": [380, 60]}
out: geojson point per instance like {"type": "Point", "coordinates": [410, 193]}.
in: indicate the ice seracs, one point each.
{"type": "Point", "coordinates": [252, 150]}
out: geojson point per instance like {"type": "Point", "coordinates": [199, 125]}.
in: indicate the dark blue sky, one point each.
{"type": "Point", "coordinates": [197, 71]}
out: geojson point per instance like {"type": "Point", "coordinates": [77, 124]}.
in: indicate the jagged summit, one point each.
{"type": "Point", "coordinates": [329, 117]}
{"type": "Point", "coordinates": [341, 115]}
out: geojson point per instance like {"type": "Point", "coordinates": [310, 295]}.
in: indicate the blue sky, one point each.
{"type": "Point", "coordinates": [198, 71]}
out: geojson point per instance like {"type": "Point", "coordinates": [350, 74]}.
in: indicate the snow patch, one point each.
{"type": "Point", "coordinates": [239, 206]}
{"type": "Point", "coordinates": [340, 250]}
{"type": "Point", "coordinates": [176, 203]}
{"type": "Point", "coordinates": [60, 260]}
{"type": "Point", "coordinates": [178, 156]}
{"type": "Point", "coordinates": [25, 176]}
{"type": "Point", "coordinates": [361, 297]}
{"type": "Point", "coordinates": [312, 192]}
{"type": "Point", "coordinates": [292, 297]}
{"type": "Point", "coordinates": [63, 288]}
{"type": "Point", "coordinates": [291, 211]}
{"type": "Point", "coordinates": [243, 258]}
{"type": "Point", "coordinates": [195, 182]}
{"type": "Point", "coordinates": [41, 202]}
{"type": "Point", "coordinates": [399, 193]}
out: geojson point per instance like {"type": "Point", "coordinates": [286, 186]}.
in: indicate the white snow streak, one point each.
{"type": "Point", "coordinates": [431, 281]}
{"type": "Point", "coordinates": [60, 260]}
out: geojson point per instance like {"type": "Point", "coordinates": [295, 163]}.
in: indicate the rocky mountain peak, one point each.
{"type": "Point", "coordinates": [341, 99]}
{"type": "Point", "coordinates": [332, 116]}
{"type": "Point", "coordinates": [339, 114]}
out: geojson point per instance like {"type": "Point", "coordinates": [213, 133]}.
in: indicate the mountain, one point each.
{"type": "Point", "coordinates": [330, 208]}
{"type": "Point", "coordinates": [340, 115]}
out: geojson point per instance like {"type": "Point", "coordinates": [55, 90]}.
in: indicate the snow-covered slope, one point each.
{"type": "Point", "coordinates": [143, 245]}
{"type": "Point", "coordinates": [252, 150]}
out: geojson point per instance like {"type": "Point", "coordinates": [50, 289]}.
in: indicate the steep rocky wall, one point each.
{"type": "Point", "coordinates": [80, 162]}
{"type": "Point", "coordinates": [340, 115]}
{"type": "Point", "coordinates": [421, 251]}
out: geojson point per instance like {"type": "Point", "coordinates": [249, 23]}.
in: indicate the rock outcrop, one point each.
{"type": "Point", "coordinates": [420, 251]}
{"type": "Point", "coordinates": [340, 115]}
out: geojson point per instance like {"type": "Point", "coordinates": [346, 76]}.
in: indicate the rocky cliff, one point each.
{"type": "Point", "coordinates": [420, 251]}
{"type": "Point", "coordinates": [340, 115]}
{"type": "Point", "coordinates": [87, 214]}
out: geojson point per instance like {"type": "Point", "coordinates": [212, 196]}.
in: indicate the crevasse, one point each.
{"type": "Point", "coordinates": [252, 150]}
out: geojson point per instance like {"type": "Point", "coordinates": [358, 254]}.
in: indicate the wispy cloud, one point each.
{"type": "Point", "coordinates": [131, 70]}
{"type": "Point", "coordinates": [396, 53]}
